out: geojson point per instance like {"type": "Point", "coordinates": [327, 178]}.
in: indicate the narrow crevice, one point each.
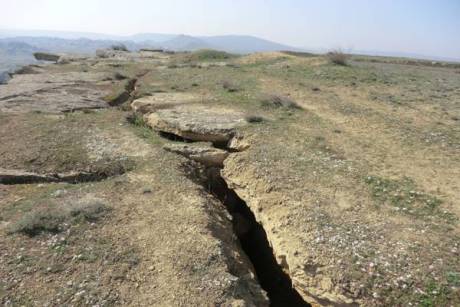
{"type": "Point", "coordinates": [224, 146]}
{"type": "Point", "coordinates": [123, 96]}
{"type": "Point", "coordinates": [174, 137]}
{"type": "Point", "coordinates": [12, 177]}
{"type": "Point", "coordinates": [82, 109]}
{"type": "Point", "coordinates": [251, 234]}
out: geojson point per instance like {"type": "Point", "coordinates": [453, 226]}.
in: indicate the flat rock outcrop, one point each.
{"type": "Point", "coordinates": [45, 56]}
{"type": "Point", "coordinates": [159, 101]}
{"type": "Point", "coordinates": [45, 92]}
{"type": "Point", "coordinates": [197, 123]}
{"type": "Point", "coordinates": [203, 153]}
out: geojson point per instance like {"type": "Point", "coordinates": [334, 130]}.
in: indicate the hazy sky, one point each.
{"type": "Point", "coordinates": [430, 27]}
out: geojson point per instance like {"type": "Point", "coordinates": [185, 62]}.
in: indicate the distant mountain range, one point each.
{"type": "Point", "coordinates": [88, 42]}
{"type": "Point", "coordinates": [17, 47]}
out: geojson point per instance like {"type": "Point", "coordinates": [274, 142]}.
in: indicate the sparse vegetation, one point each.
{"type": "Point", "coordinates": [278, 101]}
{"type": "Point", "coordinates": [390, 238]}
{"type": "Point", "coordinates": [54, 218]}
{"type": "Point", "coordinates": [254, 118]}
{"type": "Point", "coordinates": [118, 76]}
{"type": "Point", "coordinates": [37, 221]}
{"type": "Point", "coordinates": [141, 127]}
{"type": "Point", "coordinates": [119, 47]}
{"type": "Point", "coordinates": [25, 70]}
{"type": "Point", "coordinates": [209, 54]}
{"type": "Point", "coordinates": [338, 57]}
{"type": "Point", "coordinates": [89, 211]}
{"type": "Point", "coordinates": [404, 197]}
{"type": "Point", "coordinates": [230, 86]}
{"type": "Point", "coordinates": [299, 54]}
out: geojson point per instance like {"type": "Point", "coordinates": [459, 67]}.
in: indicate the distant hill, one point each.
{"type": "Point", "coordinates": [81, 42]}
{"type": "Point", "coordinates": [81, 45]}
{"type": "Point", "coordinates": [184, 43]}
{"type": "Point", "coordinates": [17, 46]}
{"type": "Point", "coordinates": [13, 55]}
{"type": "Point", "coordinates": [244, 44]}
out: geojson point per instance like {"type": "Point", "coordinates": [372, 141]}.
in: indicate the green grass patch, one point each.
{"type": "Point", "coordinates": [209, 55]}
{"type": "Point", "coordinates": [441, 293]}
{"type": "Point", "coordinates": [404, 196]}
{"type": "Point", "coordinates": [142, 130]}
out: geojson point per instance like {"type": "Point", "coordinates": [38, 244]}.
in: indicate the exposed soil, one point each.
{"type": "Point", "coordinates": [250, 233]}
{"type": "Point", "coordinates": [253, 240]}
{"type": "Point", "coordinates": [339, 186]}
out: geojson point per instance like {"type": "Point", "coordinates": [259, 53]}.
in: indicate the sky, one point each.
{"type": "Point", "coordinates": [425, 27]}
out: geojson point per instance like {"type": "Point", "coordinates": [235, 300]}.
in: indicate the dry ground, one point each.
{"type": "Point", "coordinates": [353, 171]}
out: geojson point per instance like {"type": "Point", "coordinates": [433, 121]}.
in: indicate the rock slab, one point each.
{"type": "Point", "coordinates": [197, 123]}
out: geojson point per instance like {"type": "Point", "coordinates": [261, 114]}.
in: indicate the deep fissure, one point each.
{"type": "Point", "coordinates": [254, 242]}
{"type": "Point", "coordinates": [251, 234]}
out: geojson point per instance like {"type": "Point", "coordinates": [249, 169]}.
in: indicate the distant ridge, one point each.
{"type": "Point", "coordinates": [87, 42]}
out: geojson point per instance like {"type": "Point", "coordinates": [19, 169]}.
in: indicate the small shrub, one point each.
{"type": "Point", "coordinates": [209, 54]}
{"type": "Point", "coordinates": [119, 47]}
{"type": "Point", "coordinates": [230, 86]}
{"type": "Point", "coordinates": [338, 57]}
{"type": "Point", "coordinates": [26, 70]}
{"type": "Point", "coordinates": [35, 222]}
{"type": "Point", "coordinates": [89, 211]}
{"type": "Point", "coordinates": [54, 218]}
{"type": "Point", "coordinates": [102, 53]}
{"type": "Point", "coordinates": [299, 54]}
{"type": "Point", "coordinates": [254, 119]}
{"type": "Point", "coordinates": [119, 76]}
{"type": "Point", "coordinates": [278, 101]}
{"type": "Point", "coordinates": [136, 120]}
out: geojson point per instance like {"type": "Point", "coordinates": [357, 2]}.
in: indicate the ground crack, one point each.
{"type": "Point", "coordinates": [251, 234]}
{"type": "Point", "coordinates": [12, 177]}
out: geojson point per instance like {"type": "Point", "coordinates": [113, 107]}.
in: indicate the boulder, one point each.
{"type": "Point", "coordinates": [45, 56]}
{"type": "Point", "coordinates": [197, 123]}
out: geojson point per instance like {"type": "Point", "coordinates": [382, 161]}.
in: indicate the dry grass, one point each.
{"type": "Point", "coordinates": [54, 218]}
{"type": "Point", "coordinates": [230, 86]}
{"type": "Point", "coordinates": [254, 119]}
{"type": "Point", "coordinates": [278, 101]}
{"type": "Point", "coordinates": [338, 57]}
